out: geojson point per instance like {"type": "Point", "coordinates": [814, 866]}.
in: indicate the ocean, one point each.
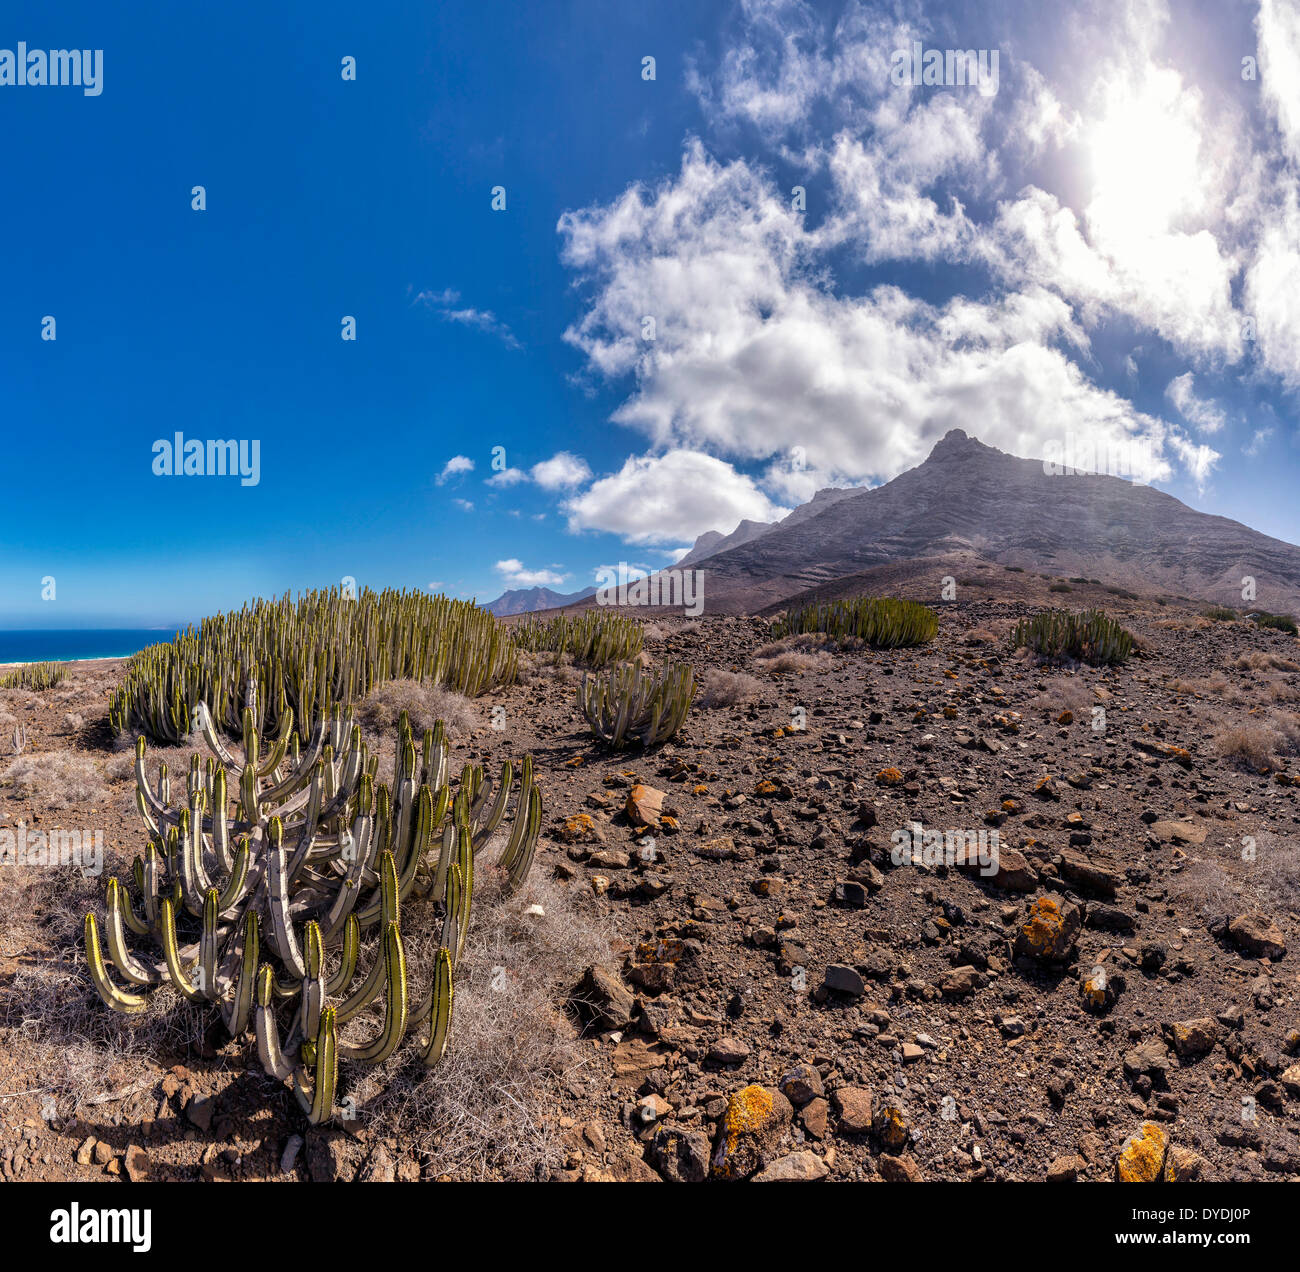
{"type": "Point", "coordinates": [90, 642]}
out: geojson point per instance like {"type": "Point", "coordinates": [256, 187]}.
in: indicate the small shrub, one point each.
{"type": "Point", "coordinates": [1278, 622]}
{"type": "Point", "coordinates": [1060, 587]}
{"type": "Point", "coordinates": [1246, 746]}
{"type": "Point", "coordinates": [1219, 614]}
{"type": "Point", "coordinates": [423, 700]}
{"type": "Point", "coordinates": [55, 779]}
{"type": "Point", "coordinates": [728, 688]}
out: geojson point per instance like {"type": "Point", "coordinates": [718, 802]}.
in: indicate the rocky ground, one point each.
{"type": "Point", "coordinates": [786, 1000]}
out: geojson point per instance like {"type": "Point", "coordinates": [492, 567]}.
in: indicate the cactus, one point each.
{"type": "Point", "coordinates": [41, 675]}
{"type": "Point", "coordinates": [595, 638]}
{"type": "Point", "coordinates": [1058, 635]}
{"type": "Point", "coordinates": [310, 655]}
{"type": "Point", "coordinates": [629, 704]}
{"type": "Point", "coordinates": [276, 863]}
{"type": "Point", "coordinates": [20, 738]}
{"type": "Point", "coordinates": [882, 622]}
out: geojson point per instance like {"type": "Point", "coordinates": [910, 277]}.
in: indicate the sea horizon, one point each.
{"type": "Point", "coordinates": [82, 644]}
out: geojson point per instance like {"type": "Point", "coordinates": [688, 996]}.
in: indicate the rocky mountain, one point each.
{"type": "Point", "coordinates": [712, 541]}
{"type": "Point", "coordinates": [971, 498]}
{"type": "Point", "coordinates": [525, 600]}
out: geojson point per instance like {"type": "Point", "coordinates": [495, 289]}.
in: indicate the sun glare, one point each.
{"type": "Point", "coordinates": [1144, 159]}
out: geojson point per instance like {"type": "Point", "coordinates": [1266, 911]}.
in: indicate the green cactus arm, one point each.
{"type": "Point", "coordinates": [117, 999]}
{"type": "Point", "coordinates": [237, 885]}
{"type": "Point", "coordinates": [176, 971]}
{"type": "Point", "coordinates": [313, 986]}
{"type": "Point", "coordinates": [522, 862]}
{"type": "Point", "coordinates": [335, 985]}
{"type": "Point", "coordinates": [209, 947]}
{"type": "Point", "coordinates": [395, 1005]}
{"type": "Point", "coordinates": [435, 1018]}
{"type": "Point", "coordinates": [129, 967]}
{"type": "Point", "coordinates": [283, 939]}
{"type": "Point", "coordinates": [451, 914]}
{"type": "Point", "coordinates": [319, 1103]}
{"type": "Point", "coordinates": [267, 1030]}
{"type": "Point", "coordinates": [237, 1011]}
{"type": "Point", "coordinates": [349, 888]}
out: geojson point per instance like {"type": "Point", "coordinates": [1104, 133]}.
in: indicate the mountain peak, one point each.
{"type": "Point", "coordinates": [953, 442]}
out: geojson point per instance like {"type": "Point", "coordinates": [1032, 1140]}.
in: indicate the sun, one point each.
{"type": "Point", "coordinates": [1144, 156]}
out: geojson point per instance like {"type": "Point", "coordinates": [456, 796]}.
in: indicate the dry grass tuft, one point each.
{"type": "Point", "coordinates": [55, 779]}
{"type": "Point", "coordinates": [728, 689]}
{"type": "Point", "coordinates": [424, 702]}
{"type": "Point", "coordinates": [1249, 747]}
{"type": "Point", "coordinates": [488, 1108]}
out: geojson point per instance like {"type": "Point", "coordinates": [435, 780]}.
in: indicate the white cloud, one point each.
{"type": "Point", "coordinates": [1278, 27]}
{"type": "Point", "coordinates": [465, 505]}
{"type": "Point", "coordinates": [561, 472]}
{"type": "Point", "coordinates": [1257, 442]}
{"type": "Point", "coordinates": [754, 359]}
{"type": "Point", "coordinates": [444, 303]}
{"type": "Point", "coordinates": [456, 465]}
{"type": "Point", "coordinates": [1198, 459]}
{"type": "Point", "coordinates": [1206, 415]}
{"type": "Point", "coordinates": [506, 477]}
{"type": "Point", "coordinates": [667, 498]}
{"type": "Point", "coordinates": [516, 574]}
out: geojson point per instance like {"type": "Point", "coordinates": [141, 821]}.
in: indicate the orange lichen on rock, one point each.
{"type": "Point", "coordinates": [1051, 929]}
{"type": "Point", "coordinates": [1142, 1159]}
{"type": "Point", "coordinates": [889, 777]}
{"type": "Point", "coordinates": [755, 1120]}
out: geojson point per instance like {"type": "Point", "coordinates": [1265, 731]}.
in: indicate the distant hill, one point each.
{"type": "Point", "coordinates": [968, 497]}
{"type": "Point", "coordinates": [525, 600]}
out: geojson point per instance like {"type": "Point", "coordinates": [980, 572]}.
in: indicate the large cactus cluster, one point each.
{"type": "Point", "coordinates": [41, 675]}
{"type": "Point", "coordinates": [884, 622]}
{"type": "Point", "coordinates": [322, 650]}
{"type": "Point", "coordinates": [595, 638]}
{"type": "Point", "coordinates": [629, 704]}
{"type": "Point", "coordinates": [1060, 635]}
{"type": "Point", "coordinates": [285, 883]}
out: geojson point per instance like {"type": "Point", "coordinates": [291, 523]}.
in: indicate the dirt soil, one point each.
{"type": "Point", "coordinates": [788, 999]}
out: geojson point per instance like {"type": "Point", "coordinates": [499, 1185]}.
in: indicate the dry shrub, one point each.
{"type": "Point", "coordinates": [425, 703]}
{"type": "Point", "coordinates": [1261, 660]}
{"type": "Point", "coordinates": [55, 779]}
{"type": "Point", "coordinates": [1065, 692]}
{"type": "Point", "coordinates": [804, 651]}
{"type": "Point", "coordinates": [1216, 684]}
{"type": "Point", "coordinates": [728, 688]}
{"type": "Point", "coordinates": [1249, 747]}
{"type": "Point", "coordinates": [688, 629]}
{"type": "Point", "coordinates": [800, 643]}
{"type": "Point", "coordinates": [793, 662]}
{"type": "Point", "coordinates": [1226, 884]}
{"type": "Point", "coordinates": [556, 665]}
{"type": "Point", "coordinates": [488, 1108]}
{"type": "Point", "coordinates": [652, 631]}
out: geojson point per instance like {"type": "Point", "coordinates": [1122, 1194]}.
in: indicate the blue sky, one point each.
{"type": "Point", "coordinates": [1079, 251]}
